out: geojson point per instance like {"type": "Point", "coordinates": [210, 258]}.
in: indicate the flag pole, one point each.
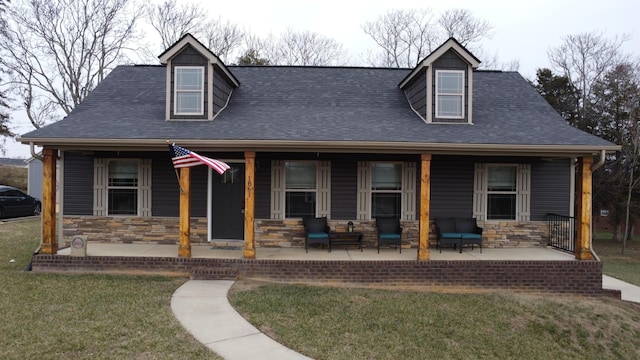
{"type": "Point", "coordinates": [176, 171]}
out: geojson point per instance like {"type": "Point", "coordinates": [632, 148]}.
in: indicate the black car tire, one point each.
{"type": "Point", "coordinates": [37, 209]}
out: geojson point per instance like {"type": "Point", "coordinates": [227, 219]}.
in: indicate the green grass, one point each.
{"type": "Point", "coordinates": [338, 323]}
{"type": "Point", "coordinates": [48, 316]}
{"type": "Point", "coordinates": [624, 267]}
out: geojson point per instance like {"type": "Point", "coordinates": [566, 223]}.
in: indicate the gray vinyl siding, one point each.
{"type": "Point", "coordinates": [416, 93]}
{"type": "Point", "coordinates": [221, 90]}
{"type": "Point", "coordinates": [451, 186]}
{"type": "Point", "coordinates": [189, 57]}
{"type": "Point", "coordinates": [262, 196]}
{"type": "Point", "coordinates": [451, 183]}
{"type": "Point", "coordinates": [344, 189]}
{"type": "Point", "coordinates": [450, 61]}
{"type": "Point", "coordinates": [550, 188]}
{"type": "Point", "coordinates": [78, 184]}
{"type": "Point", "coordinates": [165, 192]}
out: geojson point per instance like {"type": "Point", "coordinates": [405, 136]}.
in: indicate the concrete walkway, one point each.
{"type": "Point", "coordinates": [203, 309]}
{"type": "Point", "coordinates": [629, 292]}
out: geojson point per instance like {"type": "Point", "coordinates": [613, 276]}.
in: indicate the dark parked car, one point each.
{"type": "Point", "coordinates": [14, 202]}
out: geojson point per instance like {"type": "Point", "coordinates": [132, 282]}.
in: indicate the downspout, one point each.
{"type": "Point", "coordinates": [33, 152]}
{"type": "Point", "coordinates": [595, 167]}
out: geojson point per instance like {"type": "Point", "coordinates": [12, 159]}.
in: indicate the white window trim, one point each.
{"type": "Point", "coordinates": [399, 192]}
{"type": "Point", "coordinates": [438, 93]}
{"type": "Point", "coordinates": [101, 187]}
{"type": "Point", "coordinates": [137, 188]}
{"type": "Point", "coordinates": [408, 191]}
{"type": "Point", "coordinates": [175, 91]}
{"type": "Point", "coordinates": [523, 191]}
{"type": "Point", "coordinates": [279, 191]}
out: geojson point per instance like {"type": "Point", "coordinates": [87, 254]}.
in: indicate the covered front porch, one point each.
{"type": "Point", "coordinates": [249, 246]}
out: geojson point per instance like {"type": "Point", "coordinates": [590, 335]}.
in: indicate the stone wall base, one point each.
{"type": "Point", "coordinates": [282, 233]}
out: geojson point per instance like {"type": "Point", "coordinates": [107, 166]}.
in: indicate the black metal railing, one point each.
{"type": "Point", "coordinates": [562, 232]}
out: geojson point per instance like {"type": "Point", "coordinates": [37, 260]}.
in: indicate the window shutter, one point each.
{"type": "Point", "coordinates": [409, 191]}
{"type": "Point", "coordinates": [523, 201]}
{"type": "Point", "coordinates": [144, 191]}
{"type": "Point", "coordinates": [364, 190]}
{"type": "Point", "coordinates": [100, 187]}
{"type": "Point", "coordinates": [480, 192]}
{"type": "Point", "coordinates": [277, 189]}
{"type": "Point", "coordinates": [324, 189]}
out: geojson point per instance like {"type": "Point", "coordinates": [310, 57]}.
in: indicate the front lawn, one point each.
{"type": "Point", "coordinates": [48, 316]}
{"type": "Point", "coordinates": [624, 267]}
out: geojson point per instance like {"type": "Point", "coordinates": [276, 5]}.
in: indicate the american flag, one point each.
{"type": "Point", "coordinates": [182, 157]}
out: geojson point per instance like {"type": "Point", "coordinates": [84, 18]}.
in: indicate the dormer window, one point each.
{"type": "Point", "coordinates": [189, 90]}
{"type": "Point", "coordinates": [450, 94]}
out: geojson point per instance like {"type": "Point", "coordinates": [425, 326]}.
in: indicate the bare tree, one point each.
{"type": "Point", "coordinates": [172, 21]}
{"type": "Point", "coordinates": [57, 51]}
{"type": "Point", "coordinates": [305, 48]}
{"type": "Point", "coordinates": [405, 37]}
{"type": "Point", "coordinates": [584, 59]}
{"type": "Point", "coordinates": [224, 38]}
{"type": "Point", "coordinates": [464, 27]}
{"type": "Point", "coordinates": [5, 131]}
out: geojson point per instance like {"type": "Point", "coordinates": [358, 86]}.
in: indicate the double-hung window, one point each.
{"type": "Point", "coordinates": [300, 189]}
{"type": "Point", "coordinates": [501, 192]}
{"type": "Point", "coordinates": [189, 90]}
{"type": "Point", "coordinates": [122, 187]}
{"type": "Point", "coordinates": [386, 190]}
{"type": "Point", "coordinates": [450, 94]}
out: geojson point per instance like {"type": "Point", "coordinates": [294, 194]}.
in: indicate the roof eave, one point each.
{"type": "Point", "coordinates": [325, 146]}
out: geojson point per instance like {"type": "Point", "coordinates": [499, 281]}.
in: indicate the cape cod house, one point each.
{"type": "Point", "coordinates": [346, 143]}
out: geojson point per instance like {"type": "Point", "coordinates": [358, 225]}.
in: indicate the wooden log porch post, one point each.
{"type": "Point", "coordinates": [425, 205]}
{"type": "Point", "coordinates": [249, 206]}
{"type": "Point", "coordinates": [582, 247]}
{"type": "Point", "coordinates": [49, 242]}
{"type": "Point", "coordinates": [184, 250]}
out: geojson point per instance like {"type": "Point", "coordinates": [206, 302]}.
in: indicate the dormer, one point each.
{"type": "Point", "coordinates": [198, 84]}
{"type": "Point", "coordinates": [440, 87]}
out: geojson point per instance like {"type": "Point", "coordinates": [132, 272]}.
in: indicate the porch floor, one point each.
{"type": "Point", "coordinates": [338, 253]}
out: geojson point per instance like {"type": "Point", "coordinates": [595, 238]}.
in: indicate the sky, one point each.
{"type": "Point", "coordinates": [522, 30]}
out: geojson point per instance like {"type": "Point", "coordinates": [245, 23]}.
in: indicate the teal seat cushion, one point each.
{"type": "Point", "coordinates": [389, 236]}
{"type": "Point", "coordinates": [317, 235]}
{"type": "Point", "coordinates": [450, 235]}
{"type": "Point", "coordinates": [472, 236]}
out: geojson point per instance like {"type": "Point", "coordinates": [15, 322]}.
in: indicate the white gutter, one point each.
{"type": "Point", "coordinates": [33, 152]}
{"type": "Point", "coordinates": [600, 162]}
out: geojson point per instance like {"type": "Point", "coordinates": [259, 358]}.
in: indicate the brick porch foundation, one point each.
{"type": "Point", "coordinates": [562, 277]}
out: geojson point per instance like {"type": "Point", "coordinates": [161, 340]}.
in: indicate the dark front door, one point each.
{"type": "Point", "coordinates": [227, 204]}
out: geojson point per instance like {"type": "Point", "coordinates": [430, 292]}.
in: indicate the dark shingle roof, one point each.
{"type": "Point", "coordinates": [316, 104]}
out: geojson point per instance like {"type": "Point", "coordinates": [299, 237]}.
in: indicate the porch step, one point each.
{"type": "Point", "coordinates": [211, 273]}
{"type": "Point", "coordinates": [227, 244]}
